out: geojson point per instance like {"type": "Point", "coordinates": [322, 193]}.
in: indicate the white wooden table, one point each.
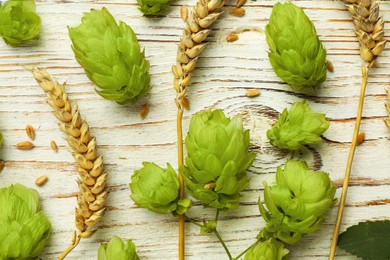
{"type": "Point", "coordinates": [224, 72]}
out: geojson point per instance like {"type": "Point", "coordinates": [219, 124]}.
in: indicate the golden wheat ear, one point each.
{"type": "Point", "coordinates": [92, 182]}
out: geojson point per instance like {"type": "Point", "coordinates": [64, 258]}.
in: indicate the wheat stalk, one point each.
{"type": "Point", "coordinates": [369, 30]}
{"type": "Point", "coordinates": [198, 22]}
{"type": "Point", "coordinates": [92, 183]}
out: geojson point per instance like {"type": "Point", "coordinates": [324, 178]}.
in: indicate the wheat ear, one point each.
{"type": "Point", "coordinates": [369, 30]}
{"type": "Point", "coordinates": [92, 182]}
{"type": "Point", "coordinates": [196, 30]}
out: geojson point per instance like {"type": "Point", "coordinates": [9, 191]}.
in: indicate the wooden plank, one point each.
{"type": "Point", "coordinates": [225, 71]}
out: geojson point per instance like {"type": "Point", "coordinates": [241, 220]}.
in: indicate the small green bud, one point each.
{"type": "Point", "coordinates": [218, 157]}
{"type": "Point", "coordinates": [24, 228]}
{"type": "Point", "coordinates": [156, 189]}
{"type": "Point", "coordinates": [116, 249]}
{"type": "Point", "coordinates": [298, 203]}
{"type": "Point", "coordinates": [298, 127]}
{"type": "Point", "coordinates": [153, 7]}
{"type": "Point", "coordinates": [19, 21]}
{"type": "Point", "coordinates": [208, 227]}
{"type": "Point", "coordinates": [111, 57]}
{"type": "Point", "coordinates": [270, 249]}
{"type": "Point", "coordinates": [296, 53]}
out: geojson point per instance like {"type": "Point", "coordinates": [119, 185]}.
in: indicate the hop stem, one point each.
{"type": "Point", "coordinates": [349, 164]}
{"type": "Point", "coordinates": [181, 191]}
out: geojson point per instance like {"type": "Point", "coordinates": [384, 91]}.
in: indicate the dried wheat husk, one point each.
{"type": "Point", "coordinates": [92, 182]}
{"type": "Point", "coordinates": [369, 28]}
{"type": "Point", "coordinates": [198, 21]}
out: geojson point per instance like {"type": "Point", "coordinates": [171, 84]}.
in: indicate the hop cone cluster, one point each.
{"type": "Point", "coordinates": [296, 53]}
{"type": "Point", "coordinates": [153, 7]}
{"type": "Point", "coordinates": [297, 203]}
{"type": "Point", "coordinates": [116, 249]}
{"type": "Point", "coordinates": [217, 159]}
{"type": "Point", "coordinates": [19, 21]}
{"type": "Point", "coordinates": [270, 249]}
{"type": "Point", "coordinates": [24, 229]}
{"type": "Point", "coordinates": [111, 57]}
{"type": "Point", "coordinates": [157, 189]}
{"type": "Point", "coordinates": [297, 127]}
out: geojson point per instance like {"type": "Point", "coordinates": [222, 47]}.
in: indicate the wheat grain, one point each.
{"type": "Point", "coordinates": [92, 183]}
{"type": "Point", "coordinates": [25, 145]}
{"type": "Point", "coordinates": [252, 93]}
{"type": "Point", "coordinates": [41, 180]}
{"type": "Point", "coordinates": [232, 37]}
{"type": "Point", "coordinates": [53, 145]}
{"type": "Point", "coordinates": [237, 11]}
{"type": "Point", "coordinates": [369, 28]}
{"type": "Point", "coordinates": [144, 111]}
{"type": "Point", "coordinates": [30, 132]}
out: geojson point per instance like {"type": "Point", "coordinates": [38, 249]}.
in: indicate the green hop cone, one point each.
{"type": "Point", "coordinates": [116, 249]}
{"type": "Point", "coordinates": [24, 228]}
{"type": "Point", "coordinates": [296, 53]}
{"type": "Point", "coordinates": [153, 7]}
{"type": "Point", "coordinates": [157, 189]}
{"type": "Point", "coordinates": [111, 57]}
{"type": "Point", "coordinates": [297, 204]}
{"type": "Point", "coordinates": [217, 159]}
{"type": "Point", "coordinates": [19, 21]}
{"type": "Point", "coordinates": [298, 127]}
{"type": "Point", "coordinates": [270, 249]}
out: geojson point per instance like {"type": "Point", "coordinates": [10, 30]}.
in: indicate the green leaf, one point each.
{"type": "Point", "coordinates": [111, 57]}
{"type": "Point", "coordinates": [368, 240]}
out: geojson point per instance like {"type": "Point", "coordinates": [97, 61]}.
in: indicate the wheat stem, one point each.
{"type": "Point", "coordinates": [369, 29]}
{"type": "Point", "coordinates": [198, 22]}
{"type": "Point", "coordinates": [349, 164]}
{"type": "Point", "coordinates": [92, 182]}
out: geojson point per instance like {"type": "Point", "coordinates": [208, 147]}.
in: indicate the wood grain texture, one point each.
{"type": "Point", "coordinates": [224, 72]}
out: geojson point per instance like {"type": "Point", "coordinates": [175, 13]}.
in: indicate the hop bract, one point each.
{"type": "Point", "coordinates": [111, 57]}
{"type": "Point", "coordinates": [297, 204]}
{"type": "Point", "coordinates": [153, 7]}
{"type": "Point", "coordinates": [116, 249]}
{"type": "Point", "coordinates": [297, 127]}
{"type": "Point", "coordinates": [270, 249]}
{"type": "Point", "coordinates": [217, 159]}
{"type": "Point", "coordinates": [296, 53]}
{"type": "Point", "coordinates": [19, 21]}
{"type": "Point", "coordinates": [24, 229]}
{"type": "Point", "coordinates": [157, 189]}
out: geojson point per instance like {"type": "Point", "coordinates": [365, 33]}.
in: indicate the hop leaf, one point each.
{"type": "Point", "coordinates": [153, 7]}
{"type": "Point", "coordinates": [296, 53]}
{"type": "Point", "coordinates": [19, 21]}
{"type": "Point", "coordinates": [111, 57]}
{"type": "Point", "coordinates": [368, 240]}
{"type": "Point", "coordinates": [217, 159]}
{"type": "Point", "coordinates": [116, 249]}
{"type": "Point", "coordinates": [297, 203]}
{"type": "Point", "coordinates": [267, 250]}
{"type": "Point", "coordinates": [157, 189]}
{"type": "Point", "coordinates": [297, 127]}
{"type": "Point", "coordinates": [24, 228]}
